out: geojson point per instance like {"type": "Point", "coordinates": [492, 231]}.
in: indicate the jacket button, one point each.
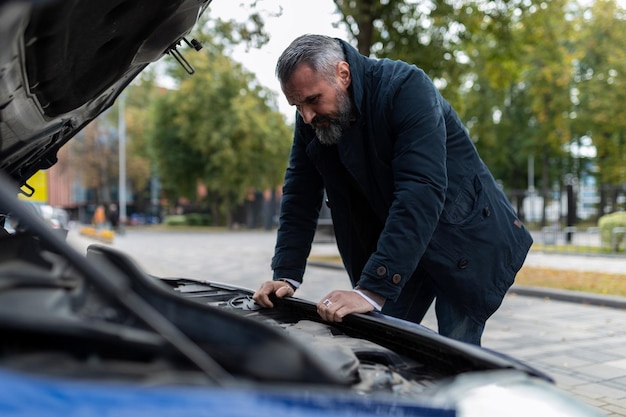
{"type": "Point", "coordinates": [486, 212]}
{"type": "Point", "coordinates": [462, 263]}
{"type": "Point", "coordinates": [396, 278]}
{"type": "Point", "coordinates": [327, 203]}
{"type": "Point", "coordinates": [381, 270]}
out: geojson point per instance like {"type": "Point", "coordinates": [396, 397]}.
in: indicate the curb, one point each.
{"type": "Point", "coordinates": [578, 297]}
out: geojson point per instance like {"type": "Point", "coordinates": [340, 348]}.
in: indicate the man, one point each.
{"type": "Point", "coordinates": [416, 213]}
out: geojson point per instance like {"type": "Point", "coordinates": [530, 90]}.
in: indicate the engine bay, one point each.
{"type": "Point", "coordinates": [59, 322]}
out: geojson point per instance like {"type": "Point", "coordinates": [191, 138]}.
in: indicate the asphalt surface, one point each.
{"type": "Point", "coordinates": [578, 339]}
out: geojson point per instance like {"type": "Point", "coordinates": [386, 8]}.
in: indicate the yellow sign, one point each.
{"type": "Point", "coordinates": [39, 182]}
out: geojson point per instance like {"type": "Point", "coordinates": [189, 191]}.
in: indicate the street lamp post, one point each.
{"type": "Point", "coordinates": [122, 162]}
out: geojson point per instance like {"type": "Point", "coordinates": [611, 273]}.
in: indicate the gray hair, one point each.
{"type": "Point", "coordinates": [321, 53]}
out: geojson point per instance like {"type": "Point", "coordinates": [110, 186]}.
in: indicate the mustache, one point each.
{"type": "Point", "coordinates": [317, 120]}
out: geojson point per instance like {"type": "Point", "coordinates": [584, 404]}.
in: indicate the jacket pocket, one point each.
{"type": "Point", "coordinates": [465, 204]}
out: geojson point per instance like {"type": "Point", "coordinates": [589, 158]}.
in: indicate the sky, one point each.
{"type": "Point", "coordinates": [298, 17]}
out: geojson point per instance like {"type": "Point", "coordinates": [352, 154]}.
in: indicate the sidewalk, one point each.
{"type": "Point", "coordinates": [614, 264]}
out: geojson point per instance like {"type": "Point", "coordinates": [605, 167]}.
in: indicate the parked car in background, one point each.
{"type": "Point", "coordinates": [57, 217]}
{"type": "Point", "coordinates": [94, 335]}
{"type": "Point", "coordinates": [61, 217]}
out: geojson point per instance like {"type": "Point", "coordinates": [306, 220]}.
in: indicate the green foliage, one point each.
{"type": "Point", "coordinates": [521, 94]}
{"type": "Point", "coordinates": [191, 219]}
{"type": "Point", "coordinates": [601, 85]}
{"type": "Point", "coordinates": [217, 129]}
{"type": "Point", "coordinates": [175, 220]}
{"type": "Point", "coordinates": [197, 219]}
{"type": "Point", "coordinates": [174, 159]}
{"type": "Point", "coordinates": [609, 236]}
{"type": "Point", "coordinates": [138, 98]}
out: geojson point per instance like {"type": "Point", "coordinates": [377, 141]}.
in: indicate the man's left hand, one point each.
{"type": "Point", "coordinates": [337, 304]}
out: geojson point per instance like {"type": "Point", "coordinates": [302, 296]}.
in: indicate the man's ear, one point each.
{"type": "Point", "coordinates": [343, 73]}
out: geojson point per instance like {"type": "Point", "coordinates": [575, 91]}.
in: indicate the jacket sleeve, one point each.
{"type": "Point", "coordinates": [417, 122]}
{"type": "Point", "coordinates": [299, 209]}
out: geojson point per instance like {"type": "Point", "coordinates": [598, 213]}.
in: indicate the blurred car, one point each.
{"type": "Point", "coordinates": [55, 217]}
{"type": "Point", "coordinates": [60, 218]}
{"type": "Point", "coordinates": [94, 335]}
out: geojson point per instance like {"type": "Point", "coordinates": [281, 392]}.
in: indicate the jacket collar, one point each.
{"type": "Point", "coordinates": [357, 70]}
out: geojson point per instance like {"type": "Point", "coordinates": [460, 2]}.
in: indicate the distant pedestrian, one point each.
{"type": "Point", "coordinates": [114, 216]}
{"type": "Point", "coordinates": [416, 213]}
{"type": "Point", "coordinates": [99, 217]}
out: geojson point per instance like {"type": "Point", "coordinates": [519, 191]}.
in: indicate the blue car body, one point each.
{"type": "Point", "coordinates": [24, 395]}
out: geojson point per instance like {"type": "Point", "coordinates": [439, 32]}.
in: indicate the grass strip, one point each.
{"type": "Point", "coordinates": [585, 281]}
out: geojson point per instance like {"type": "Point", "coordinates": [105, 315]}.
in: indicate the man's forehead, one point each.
{"type": "Point", "coordinates": [301, 76]}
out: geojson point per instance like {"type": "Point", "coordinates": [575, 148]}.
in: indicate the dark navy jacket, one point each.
{"type": "Point", "coordinates": [405, 186]}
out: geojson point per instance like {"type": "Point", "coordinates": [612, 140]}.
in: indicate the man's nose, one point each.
{"type": "Point", "coordinates": [307, 114]}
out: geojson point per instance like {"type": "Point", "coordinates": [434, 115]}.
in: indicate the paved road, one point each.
{"type": "Point", "coordinates": [583, 347]}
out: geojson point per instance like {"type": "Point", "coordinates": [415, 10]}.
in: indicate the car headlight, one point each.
{"type": "Point", "coordinates": [510, 394]}
{"type": "Point", "coordinates": [522, 400]}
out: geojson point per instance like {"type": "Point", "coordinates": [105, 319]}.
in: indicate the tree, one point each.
{"type": "Point", "coordinates": [93, 154]}
{"type": "Point", "coordinates": [174, 159]}
{"type": "Point", "coordinates": [495, 96]}
{"type": "Point", "coordinates": [434, 34]}
{"type": "Point", "coordinates": [218, 129]}
{"type": "Point", "coordinates": [139, 167]}
{"type": "Point", "coordinates": [522, 95]}
{"type": "Point", "coordinates": [601, 94]}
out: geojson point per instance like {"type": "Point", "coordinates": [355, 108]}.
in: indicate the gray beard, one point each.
{"type": "Point", "coordinates": [331, 135]}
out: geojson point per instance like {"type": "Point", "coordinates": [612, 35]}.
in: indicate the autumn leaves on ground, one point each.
{"type": "Point", "coordinates": [593, 282]}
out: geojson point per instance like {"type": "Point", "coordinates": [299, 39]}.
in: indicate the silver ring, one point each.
{"type": "Point", "coordinates": [327, 302]}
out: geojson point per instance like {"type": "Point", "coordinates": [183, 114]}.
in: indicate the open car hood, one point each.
{"type": "Point", "coordinates": [62, 63]}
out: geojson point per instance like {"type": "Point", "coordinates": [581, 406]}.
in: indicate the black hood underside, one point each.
{"type": "Point", "coordinates": [62, 63]}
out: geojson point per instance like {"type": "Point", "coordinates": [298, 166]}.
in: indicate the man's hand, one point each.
{"type": "Point", "coordinates": [337, 304]}
{"type": "Point", "coordinates": [280, 288]}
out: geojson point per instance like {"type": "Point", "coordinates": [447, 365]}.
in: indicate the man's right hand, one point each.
{"type": "Point", "coordinates": [279, 288]}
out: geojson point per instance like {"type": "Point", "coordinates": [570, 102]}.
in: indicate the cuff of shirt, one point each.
{"type": "Point", "coordinates": [294, 284]}
{"type": "Point", "coordinates": [377, 306]}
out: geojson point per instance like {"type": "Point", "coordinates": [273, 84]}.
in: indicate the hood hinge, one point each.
{"type": "Point", "coordinates": [173, 51]}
